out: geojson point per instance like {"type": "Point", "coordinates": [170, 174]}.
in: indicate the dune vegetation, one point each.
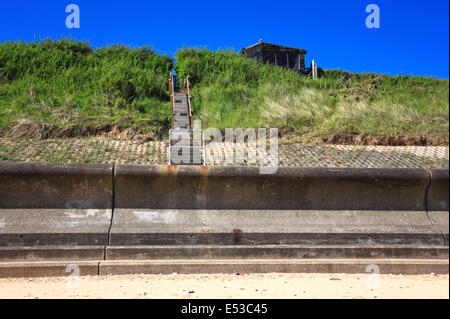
{"type": "Point", "coordinates": [66, 88]}
{"type": "Point", "coordinates": [232, 91]}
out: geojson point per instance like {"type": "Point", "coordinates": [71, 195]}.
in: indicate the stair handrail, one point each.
{"type": "Point", "coordinates": [188, 91]}
{"type": "Point", "coordinates": [171, 92]}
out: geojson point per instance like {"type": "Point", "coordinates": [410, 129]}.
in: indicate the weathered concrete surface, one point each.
{"type": "Point", "coordinates": [82, 253]}
{"type": "Point", "coordinates": [30, 227]}
{"type": "Point", "coordinates": [438, 192]}
{"type": "Point", "coordinates": [441, 221]}
{"type": "Point", "coordinates": [364, 213]}
{"type": "Point", "coordinates": [386, 266]}
{"type": "Point", "coordinates": [309, 227]}
{"type": "Point", "coordinates": [109, 267]}
{"type": "Point", "coordinates": [187, 187]}
{"type": "Point", "coordinates": [32, 185]}
{"type": "Point", "coordinates": [51, 253]}
{"type": "Point", "coordinates": [438, 201]}
{"type": "Point", "coordinates": [440, 218]}
{"type": "Point", "coordinates": [273, 252]}
{"type": "Point", "coordinates": [47, 268]}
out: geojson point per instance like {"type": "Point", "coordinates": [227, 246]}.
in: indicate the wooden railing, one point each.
{"type": "Point", "coordinates": [187, 84]}
{"type": "Point", "coordinates": [171, 91]}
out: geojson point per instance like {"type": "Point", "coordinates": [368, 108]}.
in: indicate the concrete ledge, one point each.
{"type": "Point", "coordinates": [266, 227]}
{"type": "Point", "coordinates": [65, 268]}
{"type": "Point", "coordinates": [30, 185]}
{"type": "Point", "coordinates": [51, 253]}
{"type": "Point", "coordinates": [273, 252]}
{"type": "Point", "coordinates": [199, 187]}
{"type": "Point", "coordinates": [32, 227]}
{"type": "Point", "coordinates": [47, 269]}
{"type": "Point", "coordinates": [386, 266]}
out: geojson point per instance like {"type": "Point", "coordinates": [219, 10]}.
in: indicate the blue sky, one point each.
{"type": "Point", "coordinates": [413, 37]}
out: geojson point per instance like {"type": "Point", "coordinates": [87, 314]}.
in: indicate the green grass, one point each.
{"type": "Point", "coordinates": [232, 91]}
{"type": "Point", "coordinates": [66, 86]}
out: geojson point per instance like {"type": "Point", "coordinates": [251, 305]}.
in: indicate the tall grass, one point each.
{"type": "Point", "coordinates": [66, 83]}
{"type": "Point", "coordinates": [230, 90]}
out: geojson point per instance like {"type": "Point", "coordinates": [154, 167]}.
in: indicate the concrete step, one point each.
{"type": "Point", "coordinates": [182, 119]}
{"type": "Point", "coordinates": [174, 252]}
{"type": "Point", "coordinates": [182, 148]}
{"type": "Point", "coordinates": [182, 125]}
{"type": "Point", "coordinates": [42, 226]}
{"type": "Point", "coordinates": [274, 251]}
{"type": "Point", "coordinates": [186, 158]}
{"type": "Point", "coordinates": [385, 266]}
{"type": "Point", "coordinates": [145, 226]}
{"type": "Point", "coordinates": [174, 238]}
{"type": "Point", "coordinates": [51, 253]}
{"type": "Point", "coordinates": [120, 267]}
{"type": "Point", "coordinates": [49, 268]}
{"type": "Point", "coordinates": [186, 144]}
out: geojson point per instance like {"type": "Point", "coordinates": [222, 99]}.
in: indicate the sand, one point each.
{"type": "Point", "coordinates": [229, 286]}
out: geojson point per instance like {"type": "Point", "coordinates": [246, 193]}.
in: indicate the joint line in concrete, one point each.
{"type": "Point", "coordinates": [112, 207]}
{"type": "Point", "coordinates": [427, 189]}
{"type": "Point", "coordinates": [430, 218]}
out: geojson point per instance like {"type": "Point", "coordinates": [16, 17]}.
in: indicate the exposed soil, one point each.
{"type": "Point", "coordinates": [44, 131]}
{"type": "Point", "coordinates": [349, 139]}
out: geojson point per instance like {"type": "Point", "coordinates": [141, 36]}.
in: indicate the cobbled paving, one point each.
{"type": "Point", "coordinates": [101, 150]}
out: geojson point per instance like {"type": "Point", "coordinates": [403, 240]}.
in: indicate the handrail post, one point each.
{"type": "Point", "coordinates": [188, 88]}
{"type": "Point", "coordinates": [171, 90]}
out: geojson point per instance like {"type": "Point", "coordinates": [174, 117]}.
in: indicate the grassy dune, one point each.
{"type": "Point", "coordinates": [66, 88]}
{"type": "Point", "coordinates": [233, 91]}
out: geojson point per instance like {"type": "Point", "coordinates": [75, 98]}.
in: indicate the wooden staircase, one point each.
{"type": "Point", "coordinates": [186, 144]}
{"type": "Point", "coordinates": [181, 106]}
{"type": "Point", "coordinates": [181, 112]}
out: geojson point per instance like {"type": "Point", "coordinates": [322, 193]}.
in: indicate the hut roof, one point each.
{"type": "Point", "coordinates": [275, 47]}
